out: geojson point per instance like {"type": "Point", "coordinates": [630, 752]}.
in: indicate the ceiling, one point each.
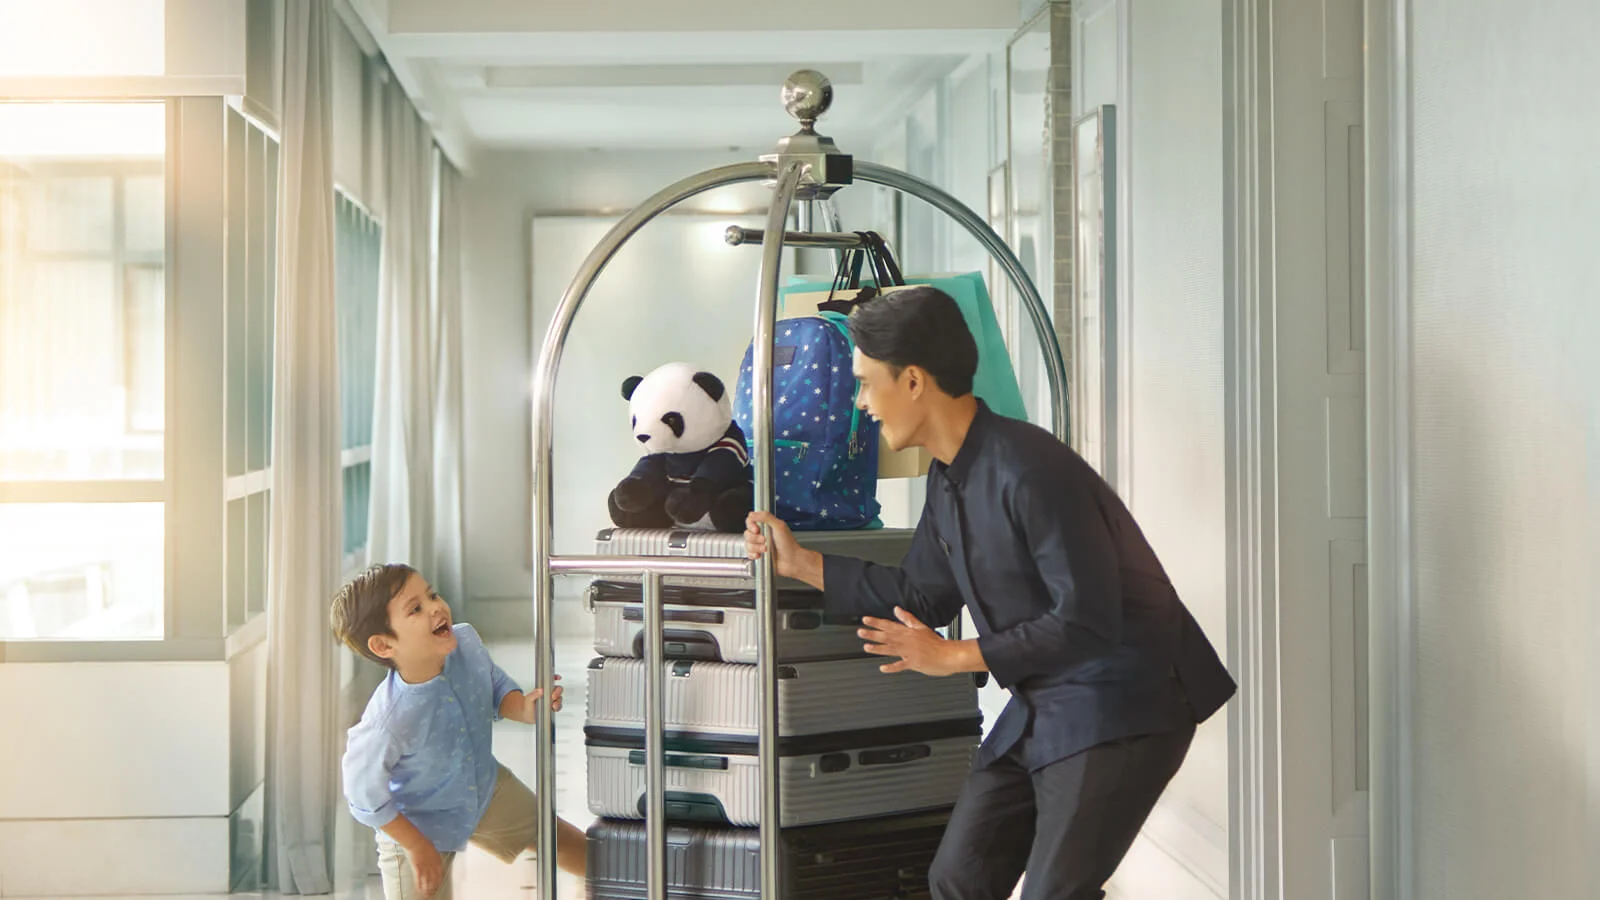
{"type": "Point", "coordinates": [659, 74]}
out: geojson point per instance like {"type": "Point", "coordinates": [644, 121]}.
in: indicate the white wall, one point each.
{"type": "Point", "coordinates": [351, 116]}
{"type": "Point", "coordinates": [131, 759]}
{"type": "Point", "coordinates": [502, 192]}
{"type": "Point", "coordinates": [1159, 62]}
{"type": "Point", "coordinates": [675, 292]}
{"type": "Point", "coordinates": [111, 48]}
{"type": "Point", "coordinates": [1505, 444]}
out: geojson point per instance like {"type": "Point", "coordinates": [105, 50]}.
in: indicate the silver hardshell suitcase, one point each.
{"type": "Point", "coordinates": [717, 624]}
{"type": "Point", "coordinates": [842, 777]}
{"type": "Point", "coordinates": [814, 697]}
{"type": "Point", "coordinates": [887, 546]}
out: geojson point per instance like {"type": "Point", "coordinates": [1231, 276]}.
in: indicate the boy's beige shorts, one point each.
{"type": "Point", "coordinates": [510, 825]}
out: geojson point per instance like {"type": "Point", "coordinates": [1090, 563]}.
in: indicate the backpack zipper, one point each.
{"type": "Point", "coordinates": [802, 446]}
{"type": "Point", "coordinates": [837, 320]}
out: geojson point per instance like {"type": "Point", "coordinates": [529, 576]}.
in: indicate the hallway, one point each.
{"type": "Point", "coordinates": [275, 277]}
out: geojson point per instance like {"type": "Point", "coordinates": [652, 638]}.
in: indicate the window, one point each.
{"type": "Point", "coordinates": [356, 251]}
{"type": "Point", "coordinates": [251, 229]}
{"type": "Point", "coordinates": [83, 371]}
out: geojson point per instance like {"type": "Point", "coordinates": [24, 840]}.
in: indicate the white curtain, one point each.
{"type": "Point", "coordinates": [401, 525]}
{"type": "Point", "coordinates": [448, 536]}
{"type": "Point", "coordinates": [307, 493]}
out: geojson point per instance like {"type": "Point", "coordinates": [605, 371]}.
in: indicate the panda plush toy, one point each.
{"type": "Point", "coordinates": [696, 469]}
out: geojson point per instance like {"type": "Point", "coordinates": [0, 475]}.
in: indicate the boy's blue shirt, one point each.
{"type": "Point", "coordinates": [424, 750]}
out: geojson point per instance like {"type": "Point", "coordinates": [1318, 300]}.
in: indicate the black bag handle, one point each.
{"type": "Point", "coordinates": [884, 267]}
{"type": "Point", "coordinates": [885, 273]}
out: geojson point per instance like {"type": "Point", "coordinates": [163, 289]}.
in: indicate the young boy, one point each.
{"type": "Point", "coordinates": [418, 767]}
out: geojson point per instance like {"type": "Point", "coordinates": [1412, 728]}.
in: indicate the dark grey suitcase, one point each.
{"type": "Point", "coordinates": [875, 859]}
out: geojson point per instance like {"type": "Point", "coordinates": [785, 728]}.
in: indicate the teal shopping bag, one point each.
{"type": "Point", "coordinates": [996, 380]}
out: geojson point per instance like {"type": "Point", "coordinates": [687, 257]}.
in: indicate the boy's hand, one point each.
{"type": "Point", "coordinates": [524, 708]}
{"type": "Point", "coordinates": [428, 866]}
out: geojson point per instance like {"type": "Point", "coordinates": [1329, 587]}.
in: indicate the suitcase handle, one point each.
{"type": "Point", "coordinates": [693, 616]}
{"type": "Point", "coordinates": [894, 755]}
{"type": "Point", "coordinates": [683, 761]}
{"type": "Point", "coordinates": [676, 644]}
{"type": "Point", "coordinates": [685, 806]}
{"type": "Point", "coordinates": [805, 621]}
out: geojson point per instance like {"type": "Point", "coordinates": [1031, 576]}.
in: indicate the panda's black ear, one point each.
{"type": "Point", "coordinates": [709, 383]}
{"type": "Point", "coordinates": [631, 384]}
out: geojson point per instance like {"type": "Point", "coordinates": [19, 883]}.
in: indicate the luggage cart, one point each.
{"type": "Point", "coordinates": [807, 167]}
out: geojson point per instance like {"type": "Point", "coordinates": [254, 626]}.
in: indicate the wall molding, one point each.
{"type": "Point", "coordinates": [45, 857]}
{"type": "Point", "coordinates": [1254, 813]}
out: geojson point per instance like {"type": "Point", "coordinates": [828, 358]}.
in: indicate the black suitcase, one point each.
{"type": "Point", "coordinates": [870, 859]}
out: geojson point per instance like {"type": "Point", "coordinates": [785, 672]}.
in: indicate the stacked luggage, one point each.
{"type": "Point", "coordinates": [869, 763]}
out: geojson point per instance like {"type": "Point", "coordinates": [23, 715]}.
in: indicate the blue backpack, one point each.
{"type": "Point", "coordinates": [825, 450]}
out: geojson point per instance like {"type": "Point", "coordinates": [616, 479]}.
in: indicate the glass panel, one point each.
{"type": "Point", "coordinates": [356, 298]}
{"type": "Point", "coordinates": [145, 205]}
{"type": "Point", "coordinates": [257, 248]}
{"type": "Point", "coordinates": [82, 571]}
{"type": "Point", "coordinates": [144, 335]}
{"type": "Point", "coordinates": [83, 131]}
{"type": "Point", "coordinates": [237, 542]}
{"type": "Point", "coordinates": [238, 330]}
{"type": "Point", "coordinates": [72, 214]}
{"type": "Point", "coordinates": [368, 326]}
{"type": "Point", "coordinates": [82, 349]}
{"type": "Point", "coordinates": [267, 310]}
{"type": "Point", "coordinates": [357, 494]}
{"type": "Point", "coordinates": [258, 510]}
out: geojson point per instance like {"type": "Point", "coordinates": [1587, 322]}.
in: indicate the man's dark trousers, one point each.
{"type": "Point", "coordinates": [1069, 824]}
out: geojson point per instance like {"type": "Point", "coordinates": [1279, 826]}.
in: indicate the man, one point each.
{"type": "Point", "coordinates": [1109, 673]}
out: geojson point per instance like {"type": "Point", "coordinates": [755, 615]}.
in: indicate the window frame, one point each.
{"type": "Point", "coordinates": [251, 486]}
{"type": "Point", "coordinates": [191, 365]}
{"type": "Point", "coordinates": [355, 559]}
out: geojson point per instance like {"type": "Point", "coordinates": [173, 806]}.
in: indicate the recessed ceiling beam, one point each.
{"type": "Point", "coordinates": [533, 16]}
{"type": "Point", "coordinates": [768, 75]}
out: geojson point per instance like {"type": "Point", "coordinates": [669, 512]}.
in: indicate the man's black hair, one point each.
{"type": "Point", "coordinates": [919, 326]}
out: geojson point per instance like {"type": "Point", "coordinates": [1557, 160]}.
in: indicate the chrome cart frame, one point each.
{"type": "Point", "coordinates": [807, 167]}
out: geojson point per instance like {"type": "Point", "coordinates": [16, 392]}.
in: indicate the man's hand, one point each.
{"type": "Point", "coordinates": [919, 648]}
{"type": "Point", "coordinates": [524, 708]}
{"type": "Point", "coordinates": [789, 559]}
{"type": "Point", "coordinates": [428, 866]}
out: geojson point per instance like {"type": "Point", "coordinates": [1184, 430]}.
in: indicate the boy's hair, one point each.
{"type": "Point", "coordinates": [920, 326]}
{"type": "Point", "coordinates": [361, 608]}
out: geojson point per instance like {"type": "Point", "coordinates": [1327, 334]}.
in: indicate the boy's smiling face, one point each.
{"type": "Point", "coordinates": [423, 637]}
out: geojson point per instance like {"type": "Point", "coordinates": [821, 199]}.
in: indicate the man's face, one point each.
{"type": "Point", "coordinates": [890, 398]}
{"type": "Point", "coordinates": [420, 620]}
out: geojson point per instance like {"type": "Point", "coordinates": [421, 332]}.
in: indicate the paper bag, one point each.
{"type": "Point", "coordinates": [995, 382]}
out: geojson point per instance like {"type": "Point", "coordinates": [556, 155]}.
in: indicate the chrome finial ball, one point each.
{"type": "Point", "coordinates": [807, 94]}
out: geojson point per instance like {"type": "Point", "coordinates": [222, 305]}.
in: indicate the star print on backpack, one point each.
{"type": "Point", "coordinates": [825, 450]}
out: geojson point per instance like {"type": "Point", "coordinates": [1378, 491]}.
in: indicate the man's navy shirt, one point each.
{"type": "Point", "coordinates": [1074, 613]}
